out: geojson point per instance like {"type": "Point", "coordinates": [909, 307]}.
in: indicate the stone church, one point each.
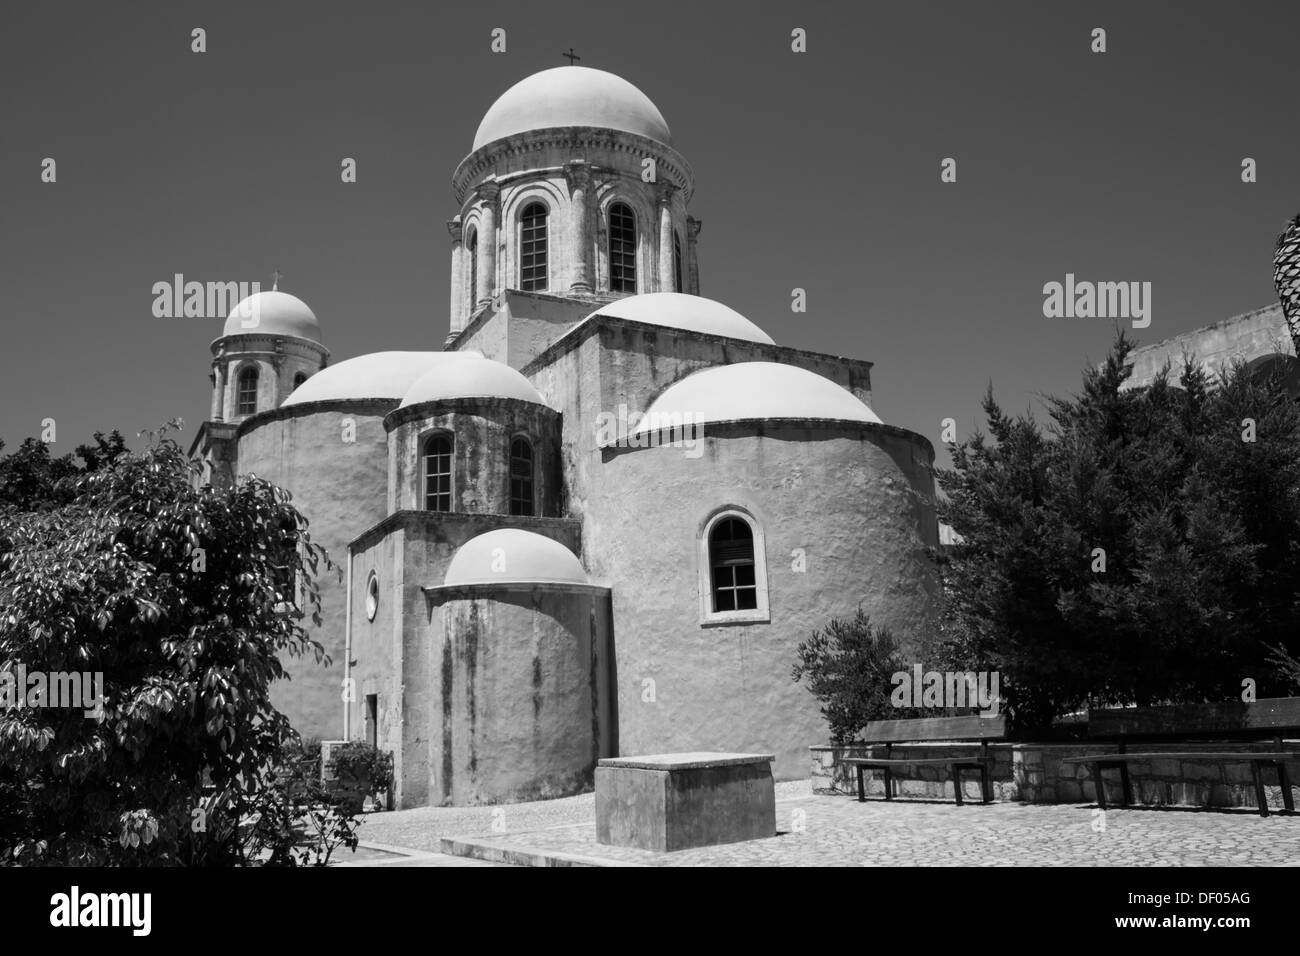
{"type": "Point", "coordinates": [601, 518]}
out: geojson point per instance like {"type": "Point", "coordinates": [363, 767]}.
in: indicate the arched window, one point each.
{"type": "Point", "coordinates": [521, 478]}
{"type": "Point", "coordinates": [532, 248]}
{"type": "Point", "coordinates": [437, 472]}
{"type": "Point", "coordinates": [731, 559]}
{"type": "Point", "coordinates": [622, 248]}
{"type": "Point", "coordinates": [677, 263]}
{"type": "Point", "coordinates": [472, 245]}
{"type": "Point", "coordinates": [299, 378]}
{"type": "Point", "coordinates": [246, 392]}
{"type": "Point", "coordinates": [733, 573]}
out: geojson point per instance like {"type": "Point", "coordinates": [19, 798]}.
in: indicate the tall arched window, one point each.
{"type": "Point", "coordinates": [246, 392]}
{"type": "Point", "coordinates": [677, 263]}
{"type": "Point", "coordinates": [731, 559]}
{"type": "Point", "coordinates": [733, 572]}
{"type": "Point", "coordinates": [522, 500]}
{"type": "Point", "coordinates": [437, 472]}
{"type": "Point", "coordinates": [532, 248]}
{"type": "Point", "coordinates": [472, 246]}
{"type": "Point", "coordinates": [622, 248]}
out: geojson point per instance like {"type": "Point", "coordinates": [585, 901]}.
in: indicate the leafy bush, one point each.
{"type": "Point", "coordinates": [848, 666]}
{"type": "Point", "coordinates": [359, 763]}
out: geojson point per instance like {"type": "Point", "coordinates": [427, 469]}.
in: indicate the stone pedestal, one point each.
{"type": "Point", "coordinates": [675, 801]}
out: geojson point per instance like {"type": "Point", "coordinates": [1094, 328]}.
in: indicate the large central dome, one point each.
{"type": "Point", "coordinates": [572, 96]}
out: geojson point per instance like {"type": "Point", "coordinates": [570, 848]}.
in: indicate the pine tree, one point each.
{"type": "Point", "coordinates": [1134, 550]}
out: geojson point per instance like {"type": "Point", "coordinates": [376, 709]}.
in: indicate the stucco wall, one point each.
{"type": "Point", "coordinates": [341, 486]}
{"type": "Point", "coordinates": [484, 429]}
{"type": "Point", "coordinates": [858, 501]}
{"type": "Point", "coordinates": [394, 654]}
{"type": "Point", "coordinates": [852, 499]}
{"type": "Point", "coordinates": [516, 683]}
{"type": "Point", "coordinates": [537, 321]}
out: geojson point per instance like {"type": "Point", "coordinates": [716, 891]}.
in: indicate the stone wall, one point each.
{"type": "Point", "coordinates": [1034, 773]}
{"type": "Point", "coordinates": [1249, 336]}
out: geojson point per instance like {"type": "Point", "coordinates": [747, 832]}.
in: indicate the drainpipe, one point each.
{"type": "Point", "coordinates": [347, 653]}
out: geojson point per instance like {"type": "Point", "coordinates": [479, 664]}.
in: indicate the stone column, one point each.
{"type": "Point", "coordinates": [666, 239]}
{"type": "Point", "coordinates": [457, 312]}
{"type": "Point", "coordinates": [218, 391]}
{"type": "Point", "coordinates": [692, 263]}
{"type": "Point", "coordinates": [579, 182]}
{"type": "Point", "coordinates": [487, 243]}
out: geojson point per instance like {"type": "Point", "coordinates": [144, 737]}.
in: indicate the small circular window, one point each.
{"type": "Point", "coordinates": [372, 597]}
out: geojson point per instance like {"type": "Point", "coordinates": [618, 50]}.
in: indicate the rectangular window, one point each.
{"type": "Point", "coordinates": [437, 473]}
{"type": "Point", "coordinates": [532, 248]}
{"type": "Point", "coordinates": [622, 249]}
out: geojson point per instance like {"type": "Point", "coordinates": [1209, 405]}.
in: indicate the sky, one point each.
{"type": "Point", "coordinates": [817, 170]}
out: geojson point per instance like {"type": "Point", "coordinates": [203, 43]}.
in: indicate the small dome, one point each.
{"type": "Point", "coordinates": [470, 375]}
{"type": "Point", "coordinates": [378, 375]}
{"type": "Point", "coordinates": [512, 556]}
{"type": "Point", "coordinates": [273, 313]}
{"type": "Point", "coordinates": [755, 390]}
{"type": "Point", "coordinates": [694, 313]}
{"type": "Point", "coordinates": [572, 96]}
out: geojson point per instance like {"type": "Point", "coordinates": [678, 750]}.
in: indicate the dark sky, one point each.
{"type": "Point", "coordinates": [818, 170]}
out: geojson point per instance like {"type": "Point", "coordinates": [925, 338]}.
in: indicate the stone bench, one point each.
{"type": "Point", "coordinates": [675, 801]}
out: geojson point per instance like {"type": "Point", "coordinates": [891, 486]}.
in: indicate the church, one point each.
{"type": "Point", "coordinates": [525, 589]}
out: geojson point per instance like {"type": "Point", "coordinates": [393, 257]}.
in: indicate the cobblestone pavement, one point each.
{"type": "Point", "coordinates": [818, 830]}
{"type": "Point", "coordinates": [839, 831]}
{"type": "Point", "coordinates": [372, 854]}
{"type": "Point", "coordinates": [417, 834]}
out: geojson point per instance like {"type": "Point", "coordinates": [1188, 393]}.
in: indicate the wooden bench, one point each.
{"type": "Point", "coordinates": [1261, 720]}
{"type": "Point", "coordinates": [928, 729]}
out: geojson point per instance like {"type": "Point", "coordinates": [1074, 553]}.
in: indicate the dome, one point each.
{"type": "Point", "coordinates": [677, 310]}
{"type": "Point", "coordinates": [572, 96]}
{"type": "Point", "coordinates": [377, 375]}
{"type": "Point", "coordinates": [512, 556]}
{"type": "Point", "coordinates": [470, 375]}
{"type": "Point", "coordinates": [273, 313]}
{"type": "Point", "coordinates": [748, 390]}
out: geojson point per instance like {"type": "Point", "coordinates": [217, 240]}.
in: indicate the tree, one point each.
{"type": "Point", "coordinates": [1141, 548]}
{"type": "Point", "coordinates": [30, 478]}
{"type": "Point", "coordinates": [182, 596]}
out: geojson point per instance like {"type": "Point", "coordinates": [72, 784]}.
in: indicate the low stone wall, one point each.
{"type": "Point", "coordinates": [1034, 773]}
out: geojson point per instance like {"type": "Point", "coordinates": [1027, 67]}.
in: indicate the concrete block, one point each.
{"type": "Point", "coordinates": [668, 802]}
